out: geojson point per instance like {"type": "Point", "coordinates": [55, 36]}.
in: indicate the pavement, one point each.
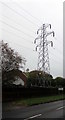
{"type": "Point", "coordinates": [48, 110]}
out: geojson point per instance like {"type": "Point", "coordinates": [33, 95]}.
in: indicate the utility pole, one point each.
{"type": "Point", "coordinates": [42, 47]}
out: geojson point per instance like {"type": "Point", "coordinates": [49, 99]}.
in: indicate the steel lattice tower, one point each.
{"type": "Point", "coordinates": [42, 46]}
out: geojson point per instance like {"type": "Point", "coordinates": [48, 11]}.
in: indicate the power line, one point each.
{"type": "Point", "coordinates": [31, 42]}
{"type": "Point", "coordinates": [16, 35]}
{"type": "Point", "coordinates": [27, 48]}
{"type": "Point", "coordinates": [18, 13]}
{"type": "Point", "coordinates": [16, 29]}
{"type": "Point", "coordinates": [32, 50]}
{"type": "Point", "coordinates": [17, 23]}
{"type": "Point", "coordinates": [27, 12]}
{"type": "Point", "coordinates": [27, 40]}
{"type": "Point", "coordinates": [43, 58]}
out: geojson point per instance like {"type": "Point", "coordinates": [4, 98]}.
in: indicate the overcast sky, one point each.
{"type": "Point", "coordinates": [20, 20]}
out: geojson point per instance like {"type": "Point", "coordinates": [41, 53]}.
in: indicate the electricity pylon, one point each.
{"type": "Point", "coordinates": [42, 46]}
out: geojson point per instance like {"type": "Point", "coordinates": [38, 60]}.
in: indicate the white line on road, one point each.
{"type": "Point", "coordinates": [33, 117]}
{"type": "Point", "coordinates": [60, 108]}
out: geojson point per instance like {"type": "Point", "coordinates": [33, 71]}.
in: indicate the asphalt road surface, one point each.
{"type": "Point", "coordinates": [47, 110]}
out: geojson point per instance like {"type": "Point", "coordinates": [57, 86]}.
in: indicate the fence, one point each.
{"type": "Point", "coordinates": [13, 93]}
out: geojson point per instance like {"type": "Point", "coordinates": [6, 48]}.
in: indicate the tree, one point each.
{"type": "Point", "coordinates": [39, 78]}
{"type": "Point", "coordinates": [10, 61]}
{"type": "Point", "coordinates": [60, 82]}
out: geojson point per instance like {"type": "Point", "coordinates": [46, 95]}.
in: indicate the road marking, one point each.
{"type": "Point", "coordinates": [60, 108]}
{"type": "Point", "coordinates": [33, 117]}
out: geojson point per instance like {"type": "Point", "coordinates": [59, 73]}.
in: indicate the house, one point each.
{"type": "Point", "coordinates": [18, 75]}
{"type": "Point", "coordinates": [21, 78]}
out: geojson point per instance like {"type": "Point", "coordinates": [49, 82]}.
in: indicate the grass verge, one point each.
{"type": "Point", "coordinates": [38, 100]}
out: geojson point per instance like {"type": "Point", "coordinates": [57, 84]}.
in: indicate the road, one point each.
{"type": "Point", "coordinates": [47, 110]}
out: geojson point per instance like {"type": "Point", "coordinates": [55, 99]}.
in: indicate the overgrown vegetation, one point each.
{"type": "Point", "coordinates": [38, 100]}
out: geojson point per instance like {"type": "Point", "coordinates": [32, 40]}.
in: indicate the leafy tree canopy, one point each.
{"type": "Point", "coordinates": [11, 60]}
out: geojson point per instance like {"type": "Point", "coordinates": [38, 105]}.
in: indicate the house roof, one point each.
{"type": "Point", "coordinates": [18, 73]}
{"type": "Point", "coordinates": [21, 75]}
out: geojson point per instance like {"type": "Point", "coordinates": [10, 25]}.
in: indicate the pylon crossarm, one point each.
{"type": "Point", "coordinates": [42, 47]}
{"type": "Point", "coordinates": [52, 32]}
{"type": "Point", "coordinates": [39, 30]}
{"type": "Point", "coordinates": [48, 26]}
